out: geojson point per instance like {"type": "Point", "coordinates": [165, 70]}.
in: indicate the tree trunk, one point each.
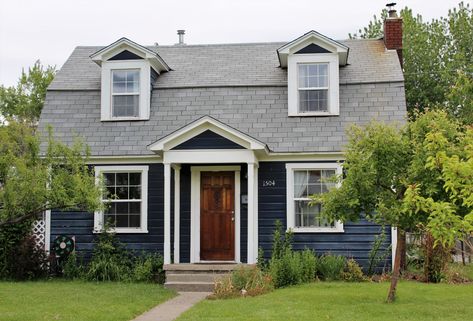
{"type": "Point", "coordinates": [403, 244]}
{"type": "Point", "coordinates": [397, 267]}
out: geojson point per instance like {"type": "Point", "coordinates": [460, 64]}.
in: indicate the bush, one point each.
{"type": "Point", "coordinates": [330, 267]}
{"type": "Point", "coordinates": [148, 268]}
{"type": "Point", "coordinates": [376, 254]}
{"type": "Point", "coordinates": [245, 281]}
{"type": "Point", "coordinates": [110, 262]}
{"type": "Point", "coordinates": [352, 272]}
{"type": "Point", "coordinates": [28, 261]}
{"type": "Point", "coordinates": [73, 268]}
{"type": "Point", "coordinates": [293, 268]}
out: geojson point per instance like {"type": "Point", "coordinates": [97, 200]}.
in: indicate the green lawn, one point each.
{"type": "Point", "coordinates": [344, 301]}
{"type": "Point", "coordinates": [63, 300]}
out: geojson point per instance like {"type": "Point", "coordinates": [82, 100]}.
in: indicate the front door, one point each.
{"type": "Point", "coordinates": [217, 216]}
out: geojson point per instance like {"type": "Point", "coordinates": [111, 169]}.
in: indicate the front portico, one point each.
{"type": "Point", "coordinates": [216, 184]}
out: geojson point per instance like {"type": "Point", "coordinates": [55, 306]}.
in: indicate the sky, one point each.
{"type": "Point", "coordinates": [50, 29]}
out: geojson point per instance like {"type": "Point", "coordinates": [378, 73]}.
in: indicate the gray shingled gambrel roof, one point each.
{"type": "Point", "coordinates": [240, 85]}
{"type": "Point", "coordinates": [233, 65]}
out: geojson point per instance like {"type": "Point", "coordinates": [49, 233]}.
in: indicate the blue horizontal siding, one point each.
{"type": "Point", "coordinates": [80, 224]}
{"type": "Point", "coordinates": [355, 242]}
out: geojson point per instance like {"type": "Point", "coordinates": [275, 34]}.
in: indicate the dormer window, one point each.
{"type": "Point", "coordinates": [127, 70]}
{"type": "Point", "coordinates": [125, 93]}
{"type": "Point", "coordinates": [313, 87]}
{"type": "Point", "coordinates": [312, 63]}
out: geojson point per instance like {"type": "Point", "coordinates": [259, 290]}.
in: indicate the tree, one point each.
{"type": "Point", "coordinates": [393, 177]}
{"type": "Point", "coordinates": [31, 183]}
{"type": "Point", "coordinates": [24, 102]}
{"type": "Point", "coordinates": [374, 29]}
{"type": "Point", "coordinates": [435, 55]}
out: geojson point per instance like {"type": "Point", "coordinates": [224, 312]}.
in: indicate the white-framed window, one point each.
{"type": "Point", "coordinates": [304, 180]}
{"type": "Point", "coordinates": [126, 199]}
{"type": "Point", "coordinates": [126, 90]}
{"type": "Point", "coordinates": [313, 85]}
{"type": "Point", "coordinates": [125, 93]}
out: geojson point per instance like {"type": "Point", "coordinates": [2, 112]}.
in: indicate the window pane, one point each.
{"type": "Point", "coordinates": [126, 81]}
{"type": "Point", "coordinates": [121, 221]}
{"type": "Point", "coordinates": [300, 184]}
{"type": "Point", "coordinates": [309, 216]}
{"type": "Point", "coordinates": [313, 100]}
{"type": "Point", "coordinates": [135, 207]}
{"type": "Point", "coordinates": [122, 178]}
{"type": "Point", "coordinates": [135, 221]}
{"type": "Point", "coordinates": [135, 178]}
{"type": "Point", "coordinates": [125, 105]}
{"type": "Point", "coordinates": [313, 75]}
{"type": "Point", "coordinates": [135, 192]}
{"type": "Point", "coordinates": [109, 179]}
{"type": "Point", "coordinates": [122, 207]}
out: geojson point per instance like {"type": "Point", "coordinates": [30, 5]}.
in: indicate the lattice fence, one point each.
{"type": "Point", "coordinates": [41, 231]}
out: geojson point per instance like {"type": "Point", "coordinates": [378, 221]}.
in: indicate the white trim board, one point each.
{"type": "Point", "coordinates": [195, 208]}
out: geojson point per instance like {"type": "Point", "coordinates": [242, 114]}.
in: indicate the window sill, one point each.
{"type": "Point", "coordinates": [123, 231]}
{"type": "Point", "coordinates": [313, 114]}
{"type": "Point", "coordinates": [317, 230]}
{"type": "Point", "coordinates": [116, 119]}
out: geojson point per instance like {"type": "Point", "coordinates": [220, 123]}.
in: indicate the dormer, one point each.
{"type": "Point", "coordinates": [127, 72]}
{"type": "Point", "coordinates": [312, 63]}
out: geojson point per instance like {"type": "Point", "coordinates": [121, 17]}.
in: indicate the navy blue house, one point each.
{"type": "Point", "coordinates": [207, 146]}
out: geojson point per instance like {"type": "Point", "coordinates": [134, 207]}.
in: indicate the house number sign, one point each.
{"type": "Point", "coordinates": [269, 182]}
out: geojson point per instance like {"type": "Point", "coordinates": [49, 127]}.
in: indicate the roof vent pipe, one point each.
{"type": "Point", "coordinates": [392, 13]}
{"type": "Point", "coordinates": [181, 33]}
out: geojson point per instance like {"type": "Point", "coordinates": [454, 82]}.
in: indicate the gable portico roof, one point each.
{"type": "Point", "coordinates": [201, 125]}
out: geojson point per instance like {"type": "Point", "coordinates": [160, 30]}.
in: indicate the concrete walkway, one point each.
{"type": "Point", "coordinates": [173, 308]}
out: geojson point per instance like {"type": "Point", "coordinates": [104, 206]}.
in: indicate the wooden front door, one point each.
{"type": "Point", "coordinates": [217, 216]}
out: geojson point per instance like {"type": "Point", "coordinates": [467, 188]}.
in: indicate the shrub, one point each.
{"type": "Point", "coordinates": [28, 261]}
{"type": "Point", "coordinates": [73, 268]}
{"type": "Point", "coordinates": [293, 268]}
{"type": "Point", "coordinates": [110, 262]}
{"type": "Point", "coordinates": [376, 254]}
{"type": "Point", "coordinates": [245, 281]}
{"type": "Point", "coordinates": [330, 267]}
{"type": "Point", "coordinates": [352, 272]}
{"type": "Point", "coordinates": [148, 268]}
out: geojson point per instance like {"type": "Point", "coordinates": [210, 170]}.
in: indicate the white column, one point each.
{"type": "Point", "coordinates": [252, 213]}
{"type": "Point", "coordinates": [177, 210]}
{"type": "Point", "coordinates": [167, 213]}
{"type": "Point", "coordinates": [393, 245]}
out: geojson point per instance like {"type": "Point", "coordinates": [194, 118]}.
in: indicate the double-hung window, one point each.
{"type": "Point", "coordinates": [125, 93]}
{"type": "Point", "coordinates": [313, 87]}
{"type": "Point", "coordinates": [305, 180]}
{"type": "Point", "coordinates": [124, 197]}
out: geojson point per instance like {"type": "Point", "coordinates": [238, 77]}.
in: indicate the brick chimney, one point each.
{"type": "Point", "coordinates": [393, 31]}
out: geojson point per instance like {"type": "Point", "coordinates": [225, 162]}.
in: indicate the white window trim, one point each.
{"type": "Point", "coordinates": [145, 88]}
{"type": "Point", "coordinates": [98, 215]}
{"type": "Point", "coordinates": [290, 168]}
{"type": "Point", "coordinates": [293, 83]}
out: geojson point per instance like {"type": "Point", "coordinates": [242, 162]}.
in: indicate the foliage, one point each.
{"type": "Point", "coordinates": [352, 272]}
{"type": "Point", "coordinates": [73, 268]}
{"type": "Point", "coordinates": [417, 178]}
{"type": "Point", "coordinates": [30, 261]}
{"type": "Point", "coordinates": [436, 258]}
{"type": "Point", "coordinates": [110, 261]}
{"type": "Point", "coordinates": [374, 30]}
{"type": "Point", "coordinates": [330, 267]}
{"type": "Point", "coordinates": [10, 238]}
{"type": "Point", "coordinates": [282, 241]}
{"type": "Point", "coordinates": [77, 300]}
{"type": "Point", "coordinates": [148, 268]}
{"type": "Point", "coordinates": [31, 183]}
{"type": "Point", "coordinates": [293, 267]}
{"type": "Point", "coordinates": [457, 273]}
{"type": "Point", "coordinates": [375, 257]}
{"type": "Point", "coordinates": [261, 262]}
{"type": "Point", "coordinates": [24, 102]}
{"type": "Point", "coordinates": [245, 281]}
{"type": "Point", "coordinates": [341, 301]}
{"type": "Point", "coordinates": [437, 60]}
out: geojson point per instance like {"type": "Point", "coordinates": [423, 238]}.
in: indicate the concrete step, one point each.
{"type": "Point", "coordinates": [218, 267]}
{"type": "Point", "coordinates": [190, 286]}
{"type": "Point", "coordinates": [193, 277]}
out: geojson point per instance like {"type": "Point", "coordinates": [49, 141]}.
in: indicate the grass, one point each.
{"type": "Point", "coordinates": [76, 300]}
{"type": "Point", "coordinates": [344, 301]}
